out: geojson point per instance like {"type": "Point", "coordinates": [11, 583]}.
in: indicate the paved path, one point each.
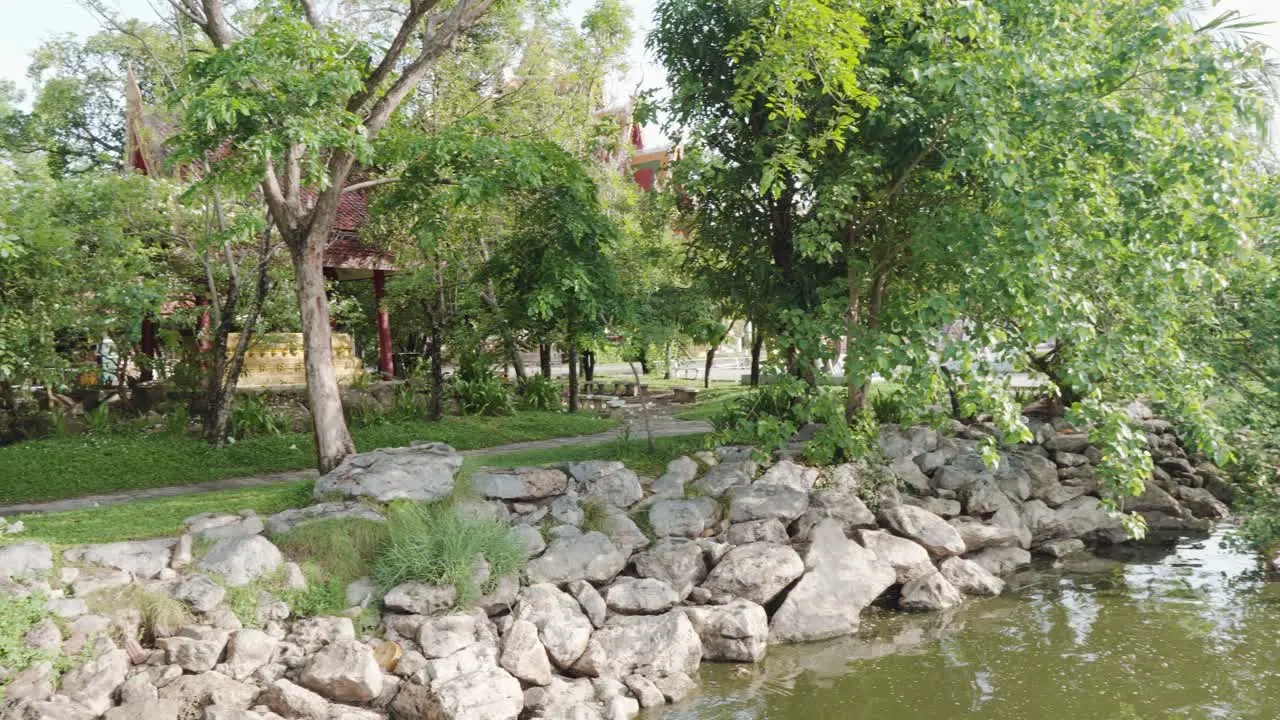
{"type": "Point", "coordinates": [663, 426]}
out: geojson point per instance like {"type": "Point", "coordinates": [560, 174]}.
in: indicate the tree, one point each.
{"type": "Point", "coordinates": [292, 106]}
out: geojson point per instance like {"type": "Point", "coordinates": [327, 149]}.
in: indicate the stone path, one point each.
{"type": "Point", "coordinates": [662, 423]}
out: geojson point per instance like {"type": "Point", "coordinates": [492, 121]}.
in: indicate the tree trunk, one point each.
{"type": "Point", "coordinates": [544, 359]}
{"type": "Point", "coordinates": [644, 360]}
{"type": "Point", "coordinates": [856, 399]}
{"type": "Point", "coordinates": [573, 374]}
{"type": "Point", "coordinates": [670, 360]}
{"type": "Point", "coordinates": [435, 406]}
{"type": "Point", "coordinates": [333, 440]}
{"type": "Point", "coordinates": [711, 357]}
{"type": "Point", "coordinates": [588, 365]}
{"type": "Point", "coordinates": [757, 344]}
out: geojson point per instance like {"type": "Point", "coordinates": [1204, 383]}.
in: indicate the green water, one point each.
{"type": "Point", "coordinates": [1186, 629]}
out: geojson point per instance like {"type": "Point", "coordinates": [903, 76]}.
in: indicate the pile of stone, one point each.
{"type": "Point", "coordinates": [631, 582]}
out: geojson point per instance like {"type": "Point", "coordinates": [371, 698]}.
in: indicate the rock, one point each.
{"type": "Point", "coordinates": [983, 497]}
{"type": "Point", "coordinates": [501, 597]}
{"type": "Point", "coordinates": [441, 637]}
{"type": "Point", "coordinates": [520, 483]}
{"type": "Point", "coordinates": [66, 608]}
{"type": "Point", "coordinates": [93, 682]}
{"type": "Point", "coordinates": [248, 650]}
{"type": "Point", "coordinates": [360, 592]}
{"type": "Point", "coordinates": [925, 528]}
{"type": "Point", "coordinates": [896, 442]}
{"type": "Point", "coordinates": [841, 578]}
{"type": "Point", "coordinates": [292, 701]}
{"type": "Point", "coordinates": [909, 473]}
{"type": "Point", "coordinates": [650, 645]}
{"type": "Point", "coordinates": [144, 558]}
{"type": "Point", "coordinates": [1061, 548]}
{"type": "Point", "coordinates": [841, 503]}
{"type": "Point", "coordinates": [930, 461]}
{"type": "Point", "coordinates": [590, 600]}
{"type": "Point", "coordinates": [34, 684]}
{"type": "Point", "coordinates": [1082, 518]}
{"type": "Point", "coordinates": [420, 599]}
{"type": "Point", "coordinates": [1011, 519]}
{"type": "Point", "coordinates": [725, 475]}
{"type": "Point", "coordinates": [676, 561]}
{"type": "Point", "coordinates": [757, 572]}
{"type": "Point", "coordinates": [978, 535]}
{"type": "Point", "coordinates": [422, 473]}
{"type": "Point", "coordinates": [646, 596]}
{"type": "Point", "coordinates": [25, 558]}
{"type": "Point", "coordinates": [567, 510]}
{"type": "Point", "coordinates": [1002, 560]}
{"type": "Point", "coordinates": [181, 556]}
{"type": "Point", "coordinates": [952, 477]}
{"type": "Point", "coordinates": [196, 649]}
{"type": "Point", "coordinates": [683, 517]}
{"type": "Point", "coordinates": [58, 707]}
{"type": "Point", "coordinates": [609, 481]}
{"type": "Point", "coordinates": [213, 526]}
{"type": "Point", "coordinates": [907, 559]}
{"type": "Point", "coordinates": [198, 591]}
{"type": "Point", "coordinates": [680, 472]}
{"type": "Point", "coordinates": [287, 520]}
{"type": "Point", "coordinates": [137, 688]}
{"type": "Point", "coordinates": [645, 691]}
{"type": "Point", "coordinates": [1067, 459]}
{"type": "Point", "coordinates": [1202, 503]}
{"type": "Point", "coordinates": [770, 530]}
{"type": "Point", "coordinates": [938, 506]}
{"type": "Point", "coordinates": [1068, 443]}
{"type": "Point", "coordinates": [529, 539]}
{"type": "Point", "coordinates": [195, 692]}
{"type": "Point", "coordinates": [489, 693]}
{"type": "Point", "coordinates": [523, 655]}
{"type": "Point", "coordinates": [217, 712]}
{"type": "Point", "coordinates": [623, 531]}
{"type": "Point", "coordinates": [621, 707]}
{"type": "Point", "coordinates": [562, 699]}
{"type": "Point", "coordinates": [98, 579]}
{"type": "Point", "coordinates": [590, 556]}
{"type": "Point", "coordinates": [155, 709]}
{"type": "Point", "coordinates": [790, 474]}
{"type": "Point", "coordinates": [1060, 495]}
{"type": "Point", "coordinates": [674, 687]}
{"type": "Point", "coordinates": [44, 635]}
{"type": "Point", "coordinates": [310, 634]}
{"type": "Point", "coordinates": [241, 560]}
{"type": "Point", "coordinates": [562, 627]}
{"type": "Point", "coordinates": [929, 593]}
{"type": "Point", "coordinates": [970, 578]}
{"type": "Point", "coordinates": [764, 501]}
{"type": "Point", "coordinates": [734, 632]}
{"type": "Point", "coordinates": [1154, 498]}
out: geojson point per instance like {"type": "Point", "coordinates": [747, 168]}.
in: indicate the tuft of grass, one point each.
{"type": "Point", "coordinates": [162, 615]}
{"type": "Point", "coordinates": [339, 548]}
{"type": "Point", "coordinates": [594, 514]}
{"type": "Point", "coordinates": [431, 544]}
{"type": "Point", "coordinates": [641, 519]}
{"type": "Point", "coordinates": [17, 616]}
{"type": "Point", "coordinates": [66, 467]}
{"type": "Point", "coordinates": [160, 517]}
{"type": "Point", "coordinates": [243, 601]}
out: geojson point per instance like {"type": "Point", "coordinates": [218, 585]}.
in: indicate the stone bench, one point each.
{"type": "Point", "coordinates": [685, 394]}
{"type": "Point", "coordinates": [597, 402]}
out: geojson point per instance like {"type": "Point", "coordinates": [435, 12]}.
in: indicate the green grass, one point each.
{"type": "Point", "coordinates": [718, 398]}
{"type": "Point", "coordinates": [57, 468]}
{"type": "Point", "coordinates": [157, 518]}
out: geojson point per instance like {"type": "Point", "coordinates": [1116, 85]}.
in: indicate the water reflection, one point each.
{"type": "Point", "coordinates": [1177, 630]}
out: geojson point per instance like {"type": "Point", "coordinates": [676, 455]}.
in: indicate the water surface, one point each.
{"type": "Point", "coordinates": [1182, 629]}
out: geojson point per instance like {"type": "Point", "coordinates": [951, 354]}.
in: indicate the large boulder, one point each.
{"type": "Point", "coordinates": [562, 627]}
{"type": "Point", "coordinates": [420, 599]}
{"type": "Point", "coordinates": [725, 475]}
{"type": "Point", "coordinates": [144, 558]}
{"type": "Point", "coordinates": [195, 649]}
{"type": "Point", "coordinates": [679, 562]}
{"type": "Point", "coordinates": [680, 472]}
{"type": "Point", "coordinates": [213, 526]}
{"type": "Point", "coordinates": [763, 501]}
{"type": "Point", "coordinates": [925, 528]}
{"type": "Point", "coordinates": [790, 474]}
{"type": "Point", "coordinates": [489, 693]}
{"type": "Point", "coordinates": [757, 572]}
{"type": "Point", "coordinates": [196, 692]}
{"type": "Point", "coordinates": [1083, 518]}
{"type": "Point", "coordinates": [344, 671]}
{"type": "Point", "coordinates": [523, 655]}
{"type": "Point", "coordinates": [770, 530]}
{"type": "Point", "coordinates": [590, 556]}
{"type": "Point", "coordinates": [242, 559]}
{"type": "Point", "coordinates": [422, 473]}
{"type": "Point", "coordinates": [198, 591]}
{"type": "Point", "coordinates": [248, 650]}
{"type": "Point", "coordinates": [653, 645]}
{"type": "Point", "coordinates": [609, 481]}
{"type": "Point", "coordinates": [623, 531]}
{"type": "Point", "coordinates": [93, 682]}
{"type": "Point", "coordinates": [1067, 442]}
{"type": "Point", "coordinates": [286, 520]}
{"type": "Point", "coordinates": [292, 701]}
{"type": "Point", "coordinates": [25, 558]}
{"type": "Point", "coordinates": [978, 535]}
{"type": "Point", "coordinates": [735, 632]}
{"type": "Point", "coordinates": [683, 517]}
{"type": "Point", "coordinates": [898, 442]}
{"type": "Point", "coordinates": [840, 579]}
{"type": "Point", "coordinates": [928, 593]}
{"type": "Point", "coordinates": [841, 503]}
{"type": "Point", "coordinates": [970, 578]}
{"type": "Point", "coordinates": [908, 559]}
{"type": "Point", "coordinates": [520, 483]}
{"type": "Point", "coordinates": [643, 596]}
{"type": "Point", "coordinates": [1002, 560]}
{"type": "Point", "coordinates": [910, 474]}
{"type": "Point", "coordinates": [1202, 503]}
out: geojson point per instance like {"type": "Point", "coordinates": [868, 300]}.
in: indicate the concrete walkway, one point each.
{"type": "Point", "coordinates": [663, 425]}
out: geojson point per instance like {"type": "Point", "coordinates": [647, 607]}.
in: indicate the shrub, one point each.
{"type": "Point", "coordinates": [484, 396]}
{"type": "Point", "coordinates": [1255, 475]}
{"type": "Point", "coordinates": [98, 420]}
{"type": "Point", "coordinates": [539, 393]}
{"type": "Point", "coordinates": [433, 544]}
{"type": "Point", "coordinates": [251, 414]}
{"type": "Point", "coordinates": [888, 407]}
{"type": "Point", "coordinates": [769, 417]}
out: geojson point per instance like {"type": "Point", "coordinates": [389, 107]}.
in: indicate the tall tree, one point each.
{"type": "Point", "coordinates": [292, 104]}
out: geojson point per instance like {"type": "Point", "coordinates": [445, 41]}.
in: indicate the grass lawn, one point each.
{"type": "Point", "coordinates": [163, 517]}
{"type": "Point", "coordinates": [57, 468]}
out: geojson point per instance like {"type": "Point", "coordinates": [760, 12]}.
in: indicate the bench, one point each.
{"type": "Point", "coordinates": [597, 402]}
{"type": "Point", "coordinates": [685, 394]}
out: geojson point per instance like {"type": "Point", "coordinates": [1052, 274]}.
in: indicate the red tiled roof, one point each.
{"type": "Point", "coordinates": [353, 211]}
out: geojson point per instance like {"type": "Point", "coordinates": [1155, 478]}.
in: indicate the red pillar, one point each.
{"type": "Point", "coordinates": [385, 363]}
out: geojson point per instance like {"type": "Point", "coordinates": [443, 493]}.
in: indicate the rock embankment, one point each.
{"type": "Point", "coordinates": [631, 582]}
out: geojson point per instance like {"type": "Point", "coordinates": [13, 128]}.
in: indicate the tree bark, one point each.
{"type": "Point", "coordinates": [544, 359]}
{"type": "Point", "coordinates": [670, 360]}
{"type": "Point", "coordinates": [573, 374]}
{"type": "Point", "coordinates": [856, 399]}
{"type": "Point", "coordinates": [711, 357]}
{"type": "Point", "coordinates": [757, 344]}
{"type": "Point", "coordinates": [588, 365]}
{"type": "Point", "coordinates": [333, 440]}
{"type": "Point", "coordinates": [435, 406]}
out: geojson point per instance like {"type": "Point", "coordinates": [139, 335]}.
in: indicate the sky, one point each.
{"type": "Point", "coordinates": [24, 24]}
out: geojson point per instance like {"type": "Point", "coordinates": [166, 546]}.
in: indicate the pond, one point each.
{"type": "Point", "coordinates": [1181, 629]}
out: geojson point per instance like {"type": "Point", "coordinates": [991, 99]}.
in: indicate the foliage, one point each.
{"type": "Point", "coordinates": [771, 415]}
{"type": "Point", "coordinates": [342, 549]}
{"type": "Point", "coordinates": [436, 545]}
{"type": "Point", "coordinates": [483, 396]}
{"type": "Point", "coordinates": [17, 616]}
{"type": "Point", "coordinates": [253, 414]}
{"type": "Point", "coordinates": [1255, 478]}
{"type": "Point", "coordinates": [594, 514]}
{"type": "Point", "coordinates": [539, 393]}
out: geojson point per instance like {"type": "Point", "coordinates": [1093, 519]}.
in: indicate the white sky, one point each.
{"type": "Point", "coordinates": [24, 24]}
